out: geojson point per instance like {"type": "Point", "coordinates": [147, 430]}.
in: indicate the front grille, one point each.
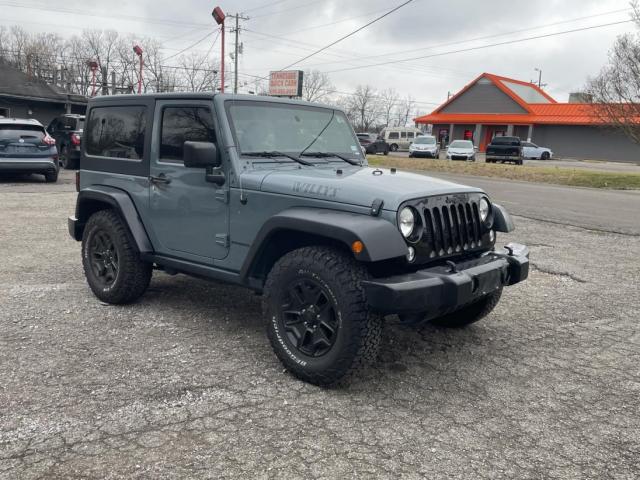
{"type": "Point", "coordinates": [450, 226]}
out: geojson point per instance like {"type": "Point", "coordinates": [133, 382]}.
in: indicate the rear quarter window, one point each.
{"type": "Point", "coordinates": [116, 132]}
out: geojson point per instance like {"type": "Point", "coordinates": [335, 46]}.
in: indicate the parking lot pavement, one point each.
{"type": "Point", "coordinates": [617, 167]}
{"type": "Point", "coordinates": [184, 384]}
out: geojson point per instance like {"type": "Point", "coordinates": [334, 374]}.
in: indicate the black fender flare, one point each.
{"type": "Point", "coordinates": [502, 221]}
{"type": "Point", "coordinates": [381, 239]}
{"type": "Point", "coordinates": [120, 201]}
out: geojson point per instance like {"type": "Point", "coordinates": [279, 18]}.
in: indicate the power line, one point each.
{"type": "Point", "coordinates": [377, 19]}
{"type": "Point", "coordinates": [480, 47]}
{"type": "Point", "coordinates": [103, 15]}
{"type": "Point", "coordinates": [278, 12]}
{"type": "Point", "coordinates": [458, 42]}
{"type": "Point", "coordinates": [198, 42]}
{"type": "Point", "coordinates": [265, 5]}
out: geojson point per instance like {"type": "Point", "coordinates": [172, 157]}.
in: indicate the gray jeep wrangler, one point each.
{"type": "Point", "coordinates": [276, 195]}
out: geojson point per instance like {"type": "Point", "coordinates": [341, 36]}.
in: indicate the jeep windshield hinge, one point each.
{"type": "Point", "coordinates": [222, 196]}
{"type": "Point", "coordinates": [222, 239]}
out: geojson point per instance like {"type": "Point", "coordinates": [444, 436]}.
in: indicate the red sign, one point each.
{"type": "Point", "coordinates": [287, 83]}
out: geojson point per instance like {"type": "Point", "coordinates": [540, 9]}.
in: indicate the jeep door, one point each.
{"type": "Point", "coordinates": [189, 216]}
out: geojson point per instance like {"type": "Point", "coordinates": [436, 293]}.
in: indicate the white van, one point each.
{"type": "Point", "coordinates": [399, 138]}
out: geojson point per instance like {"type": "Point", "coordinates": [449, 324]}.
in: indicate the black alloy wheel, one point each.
{"type": "Point", "coordinates": [103, 257]}
{"type": "Point", "coordinates": [309, 317]}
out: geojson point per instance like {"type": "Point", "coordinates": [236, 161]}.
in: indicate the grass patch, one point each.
{"type": "Point", "coordinates": [555, 175]}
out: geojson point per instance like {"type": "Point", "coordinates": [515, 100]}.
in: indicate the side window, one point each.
{"type": "Point", "coordinates": [410, 134]}
{"type": "Point", "coordinates": [116, 132]}
{"type": "Point", "coordinates": [393, 135]}
{"type": "Point", "coordinates": [182, 124]}
{"type": "Point", "coordinates": [403, 134]}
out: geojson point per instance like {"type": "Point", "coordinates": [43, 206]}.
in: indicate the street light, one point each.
{"type": "Point", "coordinates": [138, 51]}
{"type": "Point", "coordinates": [219, 16]}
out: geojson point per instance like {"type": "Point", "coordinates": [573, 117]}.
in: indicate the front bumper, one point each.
{"type": "Point", "coordinates": [423, 153]}
{"type": "Point", "coordinates": [439, 290]}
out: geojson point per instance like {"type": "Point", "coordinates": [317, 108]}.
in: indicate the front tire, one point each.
{"type": "Point", "coordinates": [545, 156]}
{"type": "Point", "coordinates": [393, 147]}
{"type": "Point", "coordinates": [111, 261]}
{"type": "Point", "coordinates": [471, 313]}
{"type": "Point", "coordinates": [319, 324]}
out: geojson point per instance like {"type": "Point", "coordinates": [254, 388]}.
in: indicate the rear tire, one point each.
{"type": "Point", "coordinates": [111, 261]}
{"type": "Point", "coordinates": [65, 160]}
{"type": "Point", "coordinates": [319, 324]}
{"type": "Point", "coordinates": [471, 313]}
{"type": "Point", "coordinates": [51, 177]}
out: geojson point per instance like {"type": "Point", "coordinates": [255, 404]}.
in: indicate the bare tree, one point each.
{"type": "Point", "coordinates": [197, 74]}
{"type": "Point", "coordinates": [615, 91]}
{"type": "Point", "coordinates": [363, 108]}
{"type": "Point", "coordinates": [316, 86]}
{"type": "Point", "coordinates": [388, 103]}
{"type": "Point", "coordinates": [405, 109]}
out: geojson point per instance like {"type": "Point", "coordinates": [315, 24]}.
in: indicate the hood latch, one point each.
{"type": "Point", "coordinates": [376, 207]}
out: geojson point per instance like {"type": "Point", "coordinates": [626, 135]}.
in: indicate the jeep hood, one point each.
{"type": "Point", "coordinates": [357, 186]}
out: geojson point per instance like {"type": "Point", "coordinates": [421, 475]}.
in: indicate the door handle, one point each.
{"type": "Point", "coordinates": [160, 179]}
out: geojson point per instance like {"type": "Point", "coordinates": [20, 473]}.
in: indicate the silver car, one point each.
{"type": "Point", "coordinates": [425, 146]}
{"type": "Point", "coordinates": [25, 147]}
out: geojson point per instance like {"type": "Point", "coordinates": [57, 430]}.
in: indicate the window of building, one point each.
{"type": "Point", "coordinates": [183, 124]}
{"type": "Point", "coordinates": [117, 132]}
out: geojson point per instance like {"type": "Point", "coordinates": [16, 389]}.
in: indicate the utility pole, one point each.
{"type": "Point", "coordinates": [237, 49]}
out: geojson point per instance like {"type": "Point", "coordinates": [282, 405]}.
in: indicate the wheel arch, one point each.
{"type": "Point", "coordinates": [96, 198]}
{"type": "Point", "coordinates": [301, 227]}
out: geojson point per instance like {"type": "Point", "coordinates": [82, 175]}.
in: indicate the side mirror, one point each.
{"type": "Point", "coordinates": [200, 155]}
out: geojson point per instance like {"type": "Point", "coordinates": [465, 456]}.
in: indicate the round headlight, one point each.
{"type": "Point", "coordinates": [484, 209]}
{"type": "Point", "coordinates": [407, 221]}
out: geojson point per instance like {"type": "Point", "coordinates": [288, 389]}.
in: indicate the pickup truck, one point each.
{"type": "Point", "coordinates": [505, 149]}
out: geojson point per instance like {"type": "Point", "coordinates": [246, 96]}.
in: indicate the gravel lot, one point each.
{"type": "Point", "coordinates": [184, 384]}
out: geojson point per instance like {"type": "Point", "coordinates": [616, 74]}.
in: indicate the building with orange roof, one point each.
{"type": "Point", "coordinates": [493, 105]}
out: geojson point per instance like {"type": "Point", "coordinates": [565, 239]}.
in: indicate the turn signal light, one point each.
{"type": "Point", "coordinates": [357, 247]}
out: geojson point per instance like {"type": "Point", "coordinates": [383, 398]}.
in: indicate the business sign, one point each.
{"type": "Point", "coordinates": [286, 83]}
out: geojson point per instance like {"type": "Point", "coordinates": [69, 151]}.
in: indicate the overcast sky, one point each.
{"type": "Point", "coordinates": [287, 30]}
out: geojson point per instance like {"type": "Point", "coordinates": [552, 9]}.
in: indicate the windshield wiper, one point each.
{"type": "Point", "coordinates": [331, 154]}
{"type": "Point", "coordinates": [274, 153]}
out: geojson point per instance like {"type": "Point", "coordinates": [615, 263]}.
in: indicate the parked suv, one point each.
{"type": "Point", "coordinates": [275, 195]}
{"type": "Point", "coordinates": [25, 147]}
{"type": "Point", "coordinates": [67, 131]}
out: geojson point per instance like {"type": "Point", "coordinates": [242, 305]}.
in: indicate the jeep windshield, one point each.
{"type": "Point", "coordinates": [274, 132]}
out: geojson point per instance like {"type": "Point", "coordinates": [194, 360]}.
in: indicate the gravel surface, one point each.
{"type": "Point", "coordinates": [184, 383]}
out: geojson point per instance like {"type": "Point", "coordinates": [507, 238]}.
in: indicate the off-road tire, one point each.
{"type": "Point", "coordinates": [357, 336]}
{"type": "Point", "coordinates": [471, 313]}
{"type": "Point", "coordinates": [133, 275]}
{"type": "Point", "coordinates": [51, 177]}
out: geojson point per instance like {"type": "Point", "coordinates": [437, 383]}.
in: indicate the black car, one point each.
{"type": "Point", "coordinates": [67, 131]}
{"type": "Point", "coordinates": [373, 143]}
{"type": "Point", "coordinates": [25, 147]}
